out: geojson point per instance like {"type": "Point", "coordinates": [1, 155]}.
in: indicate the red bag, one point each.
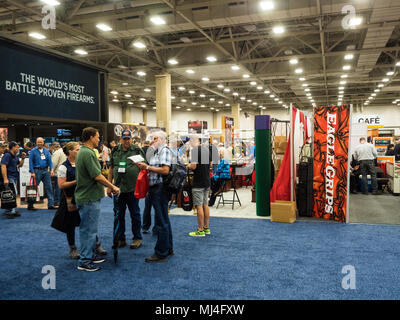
{"type": "Point", "coordinates": [142, 185]}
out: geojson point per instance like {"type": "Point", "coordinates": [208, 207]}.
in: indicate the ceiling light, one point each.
{"type": "Point", "coordinates": [341, 96]}
{"type": "Point", "coordinates": [202, 96]}
{"type": "Point", "coordinates": [202, 106]}
{"type": "Point", "coordinates": [190, 71]}
{"type": "Point", "coordinates": [298, 71]}
{"type": "Point", "coordinates": [227, 90]}
{"type": "Point", "coordinates": [308, 94]}
{"type": "Point", "coordinates": [127, 95]}
{"type": "Point", "coordinates": [194, 103]}
{"type": "Point", "coordinates": [260, 88]}
{"type": "Point", "coordinates": [51, 2]}
{"type": "Point", "coordinates": [309, 98]}
{"type": "Point", "coordinates": [205, 79]}
{"type": "Point", "coordinates": [235, 94]}
{"type": "Point", "coordinates": [81, 52]}
{"type": "Point", "coordinates": [235, 67]}
{"type": "Point", "coordinates": [390, 73]}
{"type": "Point", "coordinates": [188, 109]}
{"type": "Point", "coordinates": [370, 98]}
{"type": "Point", "coordinates": [157, 20]}
{"type": "Point", "coordinates": [355, 21]}
{"type": "Point", "coordinates": [276, 99]}
{"type": "Point", "coordinates": [246, 76]}
{"type": "Point", "coordinates": [191, 91]}
{"type": "Point", "coordinates": [343, 82]}
{"type": "Point", "coordinates": [211, 59]}
{"type": "Point", "coordinates": [103, 27]}
{"type": "Point", "coordinates": [398, 64]}
{"type": "Point", "coordinates": [344, 76]}
{"type": "Point", "coordinates": [280, 102]}
{"type": "Point", "coordinates": [183, 100]}
{"type": "Point", "coordinates": [172, 97]}
{"type": "Point", "coordinates": [242, 98]}
{"type": "Point", "coordinates": [341, 92]}
{"type": "Point", "coordinates": [115, 100]}
{"type": "Point", "coordinates": [172, 61]}
{"type": "Point", "coordinates": [271, 96]}
{"type": "Point", "coordinates": [125, 83]}
{"type": "Point", "coordinates": [346, 67]}
{"type": "Point", "coordinates": [147, 90]}
{"type": "Point", "coordinates": [255, 103]}
{"type": "Point", "coordinates": [212, 108]}
{"type": "Point", "coordinates": [348, 56]}
{"type": "Point", "coordinates": [216, 109]}
{"type": "Point", "coordinates": [139, 44]}
{"type": "Point", "coordinates": [178, 107]}
{"type": "Point", "coordinates": [278, 29]}
{"type": "Point", "coordinates": [302, 79]}
{"type": "Point", "coordinates": [305, 85]}
{"type": "Point", "coordinates": [122, 67]}
{"type": "Point", "coordinates": [377, 90]}
{"type": "Point", "coordinates": [114, 92]}
{"type": "Point", "coordinates": [37, 35]}
{"type": "Point", "coordinates": [220, 102]}
{"type": "Point", "coordinates": [385, 80]}
{"type": "Point", "coordinates": [181, 88]}
{"type": "Point", "coordinates": [249, 100]}
{"type": "Point", "coordinates": [220, 86]}
{"type": "Point", "coordinates": [380, 85]}
{"type": "Point", "coordinates": [266, 5]}
{"type": "Point", "coordinates": [306, 90]}
{"type": "Point", "coordinates": [341, 88]}
{"type": "Point", "coordinates": [212, 99]}
{"type": "Point", "coordinates": [227, 105]}
{"type": "Point", "coordinates": [141, 73]}
{"type": "Point", "coordinates": [294, 61]}
{"type": "Point", "coordinates": [267, 92]}
{"type": "Point", "coordinates": [130, 102]}
{"type": "Point", "coordinates": [142, 99]}
{"type": "Point", "coordinates": [374, 94]}
{"type": "Point", "coordinates": [253, 83]}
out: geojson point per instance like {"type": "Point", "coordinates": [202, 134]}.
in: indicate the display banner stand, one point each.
{"type": "Point", "coordinates": [331, 156]}
{"type": "Point", "coordinates": [263, 164]}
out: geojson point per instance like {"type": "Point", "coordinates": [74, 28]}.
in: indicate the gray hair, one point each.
{"type": "Point", "coordinates": [160, 134]}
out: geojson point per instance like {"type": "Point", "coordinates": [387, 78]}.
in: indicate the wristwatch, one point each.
{"type": "Point", "coordinates": [147, 168]}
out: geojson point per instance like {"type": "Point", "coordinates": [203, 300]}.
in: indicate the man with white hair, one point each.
{"type": "Point", "coordinates": [39, 164]}
{"type": "Point", "coordinates": [160, 161]}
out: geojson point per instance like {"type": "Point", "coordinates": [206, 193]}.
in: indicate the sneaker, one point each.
{"type": "Point", "coordinates": [88, 267]}
{"type": "Point", "coordinates": [155, 258]}
{"type": "Point", "coordinates": [136, 244]}
{"type": "Point", "coordinates": [197, 233]}
{"type": "Point", "coordinates": [100, 250]}
{"type": "Point", "coordinates": [98, 259]}
{"type": "Point", "coordinates": [207, 231]}
{"type": "Point", "coordinates": [8, 215]}
{"type": "Point", "coordinates": [145, 231]}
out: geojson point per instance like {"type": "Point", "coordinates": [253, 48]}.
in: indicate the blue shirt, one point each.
{"type": "Point", "coordinates": [11, 162]}
{"type": "Point", "coordinates": [35, 160]}
{"type": "Point", "coordinates": [162, 157]}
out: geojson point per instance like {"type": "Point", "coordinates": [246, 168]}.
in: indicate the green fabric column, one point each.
{"type": "Point", "coordinates": [263, 164]}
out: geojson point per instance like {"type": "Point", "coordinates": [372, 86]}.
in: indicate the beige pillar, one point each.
{"type": "Point", "coordinates": [236, 115]}
{"type": "Point", "coordinates": [144, 117]}
{"type": "Point", "coordinates": [215, 120]}
{"type": "Point", "coordinates": [126, 114]}
{"type": "Point", "coordinates": [163, 101]}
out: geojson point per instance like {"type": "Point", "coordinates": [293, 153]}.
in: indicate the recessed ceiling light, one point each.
{"type": "Point", "coordinates": [227, 105]}
{"type": "Point", "coordinates": [212, 108]}
{"type": "Point", "coordinates": [298, 71]}
{"type": "Point", "coordinates": [302, 79]}
{"type": "Point", "coordinates": [253, 83]}
{"type": "Point", "coordinates": [173, 61]}
{"type": "Point", "coordinates": [202, 106]}
{"type": "Point", "coordinates": [190, 71]}
{"type": "Point", "coordinates": [385, 80]}
{"type": "Point", "coordinates": [37, 35]}
{"type": "Point", "coordinates": [157, 20]}
{"type": "Point", "coordinates": [147, 90]}
{"type": "Point", "coordinates": [346, 67]}
{"type": "Point", "coordinates": [390, 73]}
{"type": "Point", "coordinates": [235, 67]}
{"type": "Point", "coordinates": [191, 91]}
{"type": "Point", "coordinates": [294, 61]}
{"type": "Point", "coordinates": [205, 79]}
{"type": "Point", "coordinates": [114, 92]}
{"type": "Point", "coordinates": [276, 99]}
{"type": "Point", "coordinates": [370, 98]}
{"type": "Point", "coordinates": [220, 86]}
{"type": "Point", "coordinates": [139, 44]}
{"type": "Point", "coordinates": [341, 92]}
{"type": "Point", "coordinates": [348, 56]}
{"type": "Point", "coordinates": [202, 96]}
{"type": "Point", "coordinates": [141, 73]}
{"type": "Point", "coordinates": [127, 95]}
{"type": "Point", "coordinates": [181, 88]}
{"type": "Point", "coordinates": [211, 59]}
{"type": "Point", "coordinates": [266, 5]}
{"type": "Point", "coordinates": [142, 99]}
{"type": "Point", "coordinates": [255, 103]}
{"type": "Point", "coordinates": [246, 76]}
{"type": "Point", "coordinates": [308, 94]}
{"type": "Point", "coordinates": [278, 29]}
{"type": "Point", "coordinates": [51, 2]}
{"type": "Point", "coordinates": [103, 27]}
{"type": "Point", "coordinates": [81, 51]}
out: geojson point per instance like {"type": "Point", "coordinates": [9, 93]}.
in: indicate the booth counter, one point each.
{"type": "Point", "coordinates": [393, 172]}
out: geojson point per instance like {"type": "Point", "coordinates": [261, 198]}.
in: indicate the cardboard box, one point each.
{"type": "Point", "coordinates": [283, 211]}
{"type": "Point", "coordinates": [280, 139]}
{"type": "Point", "coordinates": [278, 164]}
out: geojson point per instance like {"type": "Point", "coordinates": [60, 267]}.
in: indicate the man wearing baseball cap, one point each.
{"type": "Point", "coordinates": [124, 173]}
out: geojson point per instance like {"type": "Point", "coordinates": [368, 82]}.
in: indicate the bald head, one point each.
{"type": "Point", "coordinates": [40, 142]}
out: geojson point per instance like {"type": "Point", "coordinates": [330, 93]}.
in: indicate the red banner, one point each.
{"type": "Point", "coordinates": [331, 145]}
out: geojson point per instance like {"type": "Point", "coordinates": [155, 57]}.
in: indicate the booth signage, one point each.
{"type": "Point", "coordinates": [369, 119]}
{"type": "Point", "coordinates": [331, 144]}
{"type": "Point", "coordinates": [33, 83]}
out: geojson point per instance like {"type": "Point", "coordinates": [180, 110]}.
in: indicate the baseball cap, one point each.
{"type": "Point", "coordinates": [126, 134]}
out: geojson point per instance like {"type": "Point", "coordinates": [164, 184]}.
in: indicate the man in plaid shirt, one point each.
{"type": "Point", "coordinates": [159, 165]}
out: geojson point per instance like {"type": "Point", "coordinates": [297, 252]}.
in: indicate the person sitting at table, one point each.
{"type": "Point", "coordinates": [390, 150]}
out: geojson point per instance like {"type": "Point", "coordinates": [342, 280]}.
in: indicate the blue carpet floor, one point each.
{"type": "Point", "coordinates": [241, 259]}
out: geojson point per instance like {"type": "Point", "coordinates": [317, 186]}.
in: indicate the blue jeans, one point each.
{"type": "Point", "coordinates": [89, 213]}
{"type": "Point", "coordinates": [128, 199]}
{"type": "Point", "coordinates": [147, 213]}
{"type": "Point", "coordinates": [57, 191]}
{"type": "Point", "coordinates": [159, 197]}
{"type": "Point", "coordinates": [44, 176]}
{"type": "Point", "coordinates": [368, 167]}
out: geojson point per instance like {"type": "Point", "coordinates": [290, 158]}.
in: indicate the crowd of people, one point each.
{"type": "Point", "coordinates": [78, 175]}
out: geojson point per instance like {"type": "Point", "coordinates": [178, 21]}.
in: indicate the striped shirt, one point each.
{"type": "Point", "coordinates": [161, 157]}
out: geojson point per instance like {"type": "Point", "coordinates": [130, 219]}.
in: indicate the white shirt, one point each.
{"type": "Point", "coordinates": [365, 151]}
{"type": "Point", "coordinates": [58, 157]}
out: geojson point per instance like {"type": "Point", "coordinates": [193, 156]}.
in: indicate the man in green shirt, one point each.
{"type": "Point", "coordinates": [124, 173]}
{"type": "Point", "coordinates": [88, 194]}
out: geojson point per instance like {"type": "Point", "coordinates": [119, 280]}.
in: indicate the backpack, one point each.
{"type": "Point", "coordinates": [177, 175]}
{"type": "Point", "coordinates": [223, 170]}
{"type": "Point", "coordinates": [187, 198]}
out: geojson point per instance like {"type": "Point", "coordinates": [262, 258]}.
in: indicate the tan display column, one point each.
{"type": "Point", "coordinates": [236, 115]}
{"type": "Point", "coordinates": [163, 101]}
{"type": "Point", "coordinates": [126, 114]}
{"type": "Point", "coordinates": [144, 117]}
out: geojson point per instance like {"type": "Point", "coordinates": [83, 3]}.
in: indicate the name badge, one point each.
{"type": "Point", "coordinates": [42, 156]}
{"type": "Point", "coordinates": [122, 167]}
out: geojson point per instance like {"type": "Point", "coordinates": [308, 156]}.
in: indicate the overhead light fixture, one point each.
{"type": "Point", "coordinates": [249, 100]}
{"type": "Point", "coordinates": [172, 61]}
{"type": "Point", "coordinates": [157, 20]}
{"type": "Point", "coordinates": [211, 59]}
{"type": "Point", "coordinates": [380, 85]}
{"type": "Point", "coordinates": [377, 90]}
{"type": "Point", "coordinates": [344, 76]}
{"type": "Point", "coordinates": [246, 76]}
{"type": "Point", "coordinates": [267, 92]}
{"type": "Point", "coordinates": [194, 103]}
{"type": "Point", "coordinates": [172, 97]}
{"type": "Point", "coordinates": [255, 103]}
{"type": "Point", "coordinates": [298, 71]}
{"type": "Point", "coordinates": [181, 88]}
{"type": "Point", "coordinates": [343, 82]}
{"type": "Point", "coordinates": [142, 99]}
{"type": "Point", "coordinates": [202, 96]}
{"type": "Point", "coordinates": [139, 44]}
{"type": "Point", "coordinates": [147, 90]}
{"type": "Point", "coordinates": [212, 108]}
{"type": "Point", "coordinates": [294, 61]}
{"type": "Point", "coordinates": [130, 102]}
{"type": "Point", "coordinates": [235, 67]}
{"type": "Point", "coordinates": [227, 105]}
{"type": "Point", "coordinates": [114, 92]}
{"type": "Point", "coordinates": [302, 79]}
{"type": "Point", "coordinates": [51, 2]}
{"type": "Point", "coordinates": [115, 100]}
{"type": "Point", "coordinates": [341, 88]}
{"type": "Point", "coordinates": [346, 67]}
{"type": "Point", "coordinates": [390, 73]}
{"type": "Point", "coordinates": [271, 96]}
{"type": "Point", "coordinates": [122, 67]}
{"type": "Point", "coordinates": [191, 91]}
{"type": "Point", "coordinates": [127, 95]}
{"type": "Point", "coordinates": [205, 79]}
{"type": "Point", "coordinates": [103, 27]}
{"type": "Point", "coordinates": [37, 35]}
{"type": "Point", "coordinates": [266, 5]}
{"type": "Point", "coordinates": [212, 99]}
{"type": "Point", "coordinates": [308, 94]}
{"type": "Point", "coordinates": [278, 29]}
{"type": "Point", "coordinates": [370, 98]}
{"type": "Point", "coordinates": [306, 90]}
{"type": "Point", "coordinates": [183, 100]}
{"type": "Point", "coordinates": [385, 80]}
{"type": "Point", "coordinates": [259, 88]}
{"type": "Point", "coordinates": [81, 52]}
{"type": "Point", "coordinates": [280, 102]}
{"type": "Point", "coordinates": [202, 106]}
{"type": "Point", "coordinates": [227, 90]}
{"type": "Point", "coordinates": [235, 94]}
{"type": "Point", "coordinates": [398, 64]}
{"type": "Point", "coordinates": [305, 85]}
{"type": "Point", "coordinates": [276, 99]}
{"type": "Point", "coordinates": [349, 56]}
{"type": "Point", "coordinates": [141, 73]}
{"type": "Point", "coordinates": [220, 86]}
{"type": "Point", "coordinates": [220, 102]}
{"type": "Point", "coordinates": [242, 98]}
{"type": "Point", "coordinates": [374, 94]}
{"type": "Point", "coordinates": [253, 83]}
{"type": "Point", "coordinates": [125, 83]}
{"type": "Point", "coordinates": [178, 107]}
{"type": "Point", "coordinates": [216, 109]}
{"type": "Point", "coordinates": [190, 71]}
{"type": "Point", "coordinates": [341, 92]}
